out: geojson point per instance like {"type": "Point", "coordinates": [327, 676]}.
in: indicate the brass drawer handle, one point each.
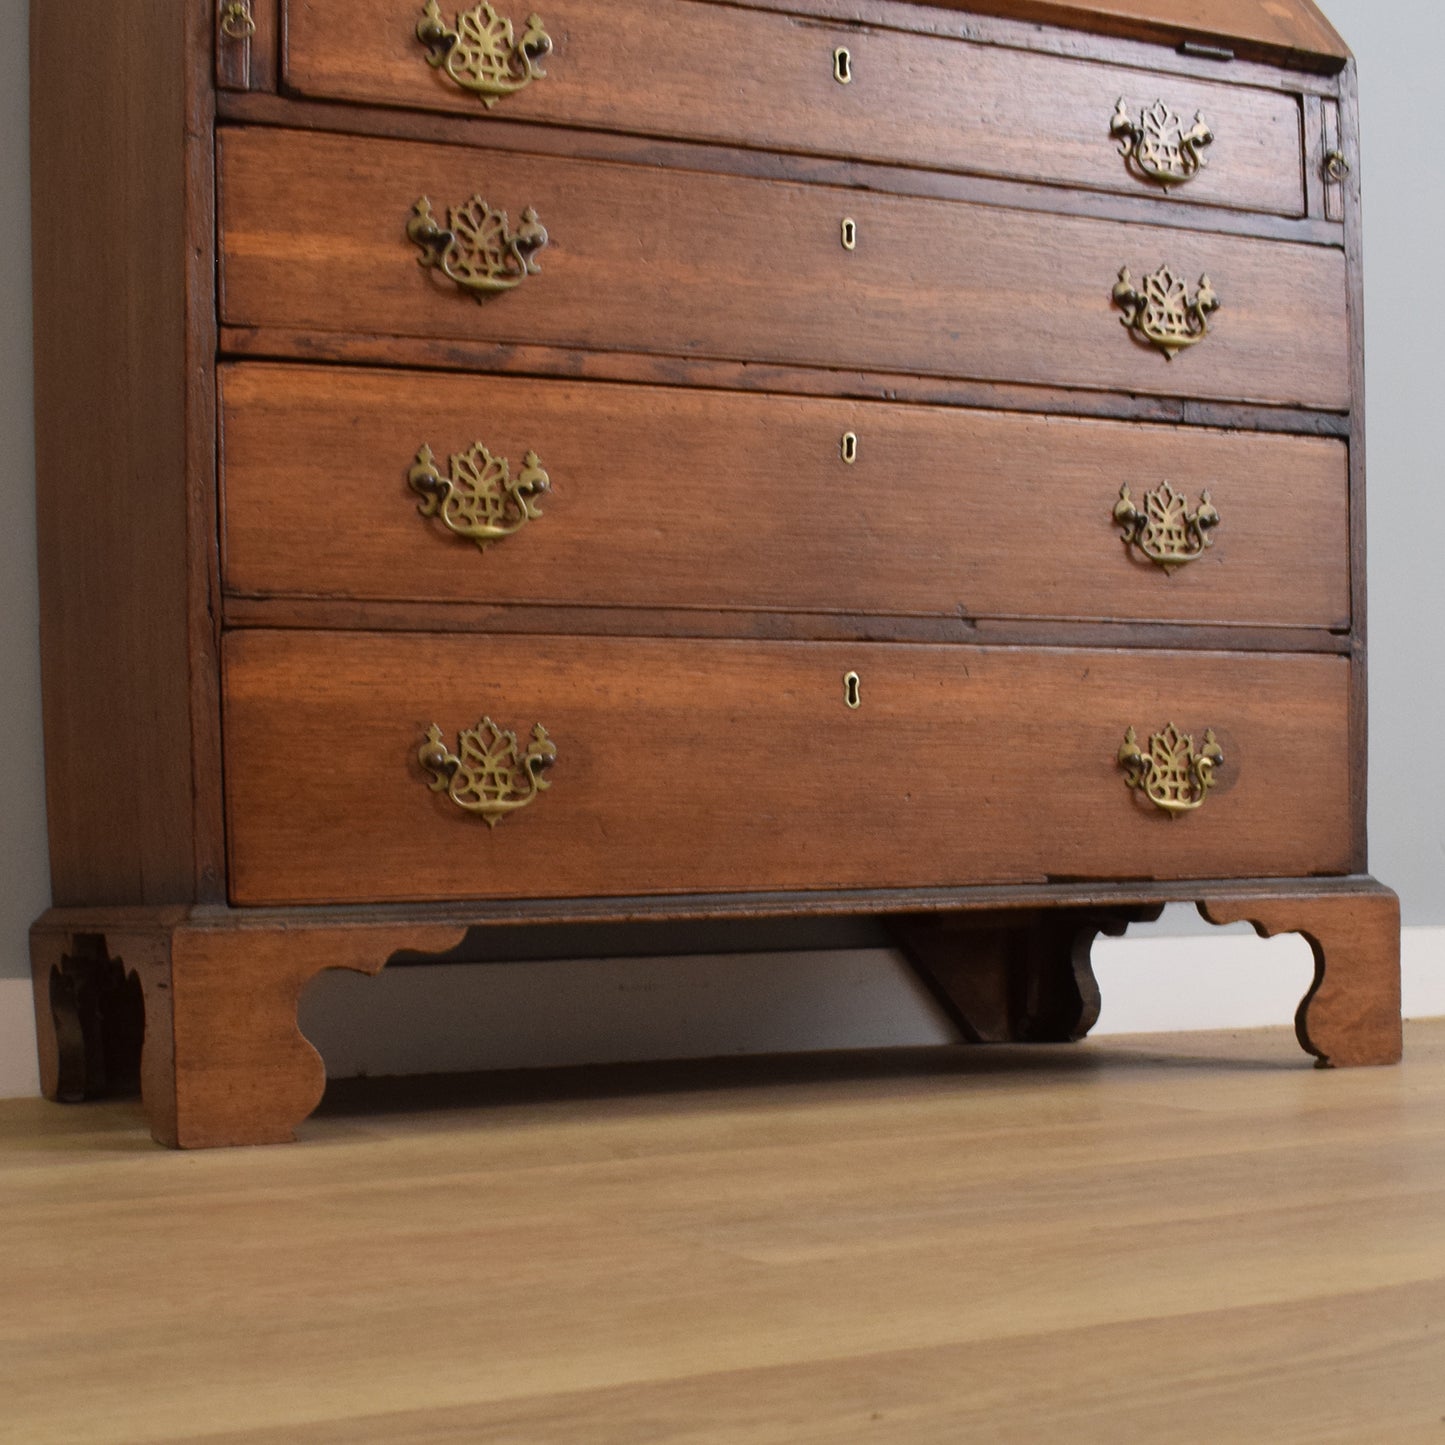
{"type": "Point", "coordinates": [481, 500]}
{"type": "Point", "coordinates": [488, 775]}
{"type": "Point", "coordinates": [237, 22]}
{"type": "Point", "coordinates": [480, 54]}
{"type": "Point", "coordinates": [1158, 146]}
{"type": "Point", "coordinates": [477, 248]}
{"type": "Point", "coordinates": [1162, 312]}
{"type": "Point", "coordinates": [1171, 773]}
{"type": "Point", "coordinates": [1165, 530]}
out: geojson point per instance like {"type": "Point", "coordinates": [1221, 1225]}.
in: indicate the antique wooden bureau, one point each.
{"type": "Point", "coordinates": [688, 461]}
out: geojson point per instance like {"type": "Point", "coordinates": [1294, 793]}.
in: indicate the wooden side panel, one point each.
{"type": "Point", "coordinates": [666, 497]}
{"type": "Point", "coordinates": [948, 104]}
{"type": "Point", "coordinates": [109, 187]}
{"type": "Point", "coordinates": [313, 233]}
{"type": "Point", "coordinates": [701, 765]}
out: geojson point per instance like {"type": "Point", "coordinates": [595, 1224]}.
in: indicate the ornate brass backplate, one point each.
{"type": "Point", "coordinates": [1170, 772]}
{"type": "Point", "coordinates": [477, 248]}
{"type": "Point", "coordinates": [1162, 312]}
{"type": "Point", "coordinates": [481, 500]}
{"type": "Point", "coordinates": [1165, 530]}
{"type": "Point", "coordinates": [1158, 146]}
{"type": "Point", "coordinates": [480, 54]}
{"type": "Point", "coordinates": [489, 774]}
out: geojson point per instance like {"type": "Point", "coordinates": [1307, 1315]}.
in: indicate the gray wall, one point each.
{"type": "Point", "coordinates": [1399, 44]}
{"type": "Point", "coordinates": [24, 870]}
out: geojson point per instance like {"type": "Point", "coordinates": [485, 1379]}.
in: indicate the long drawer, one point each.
{"type": "Point", "coordinates": [667, 497]}
{"type": "Point", "coordinates": [314, 240]}
{"type": "Point", "coordinates": [646, 67]}
{"type": "Point", "coordinates": [684, 766]}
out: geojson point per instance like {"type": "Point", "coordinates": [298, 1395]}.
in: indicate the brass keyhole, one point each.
{"type": "Point", "coordinates": [850, 233]}
{"type": "Point", "coordinates": [850, 447]}
{"type": "Point", "coordinates": [850, 689]}
{"type": "Point", "coordinates": [842, 65]}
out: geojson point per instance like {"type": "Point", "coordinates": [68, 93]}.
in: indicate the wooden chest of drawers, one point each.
{"type": "Point", "coordinates": [799, 458]}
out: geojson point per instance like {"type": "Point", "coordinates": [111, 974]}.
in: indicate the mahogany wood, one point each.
{"type": "Point", "coordinates": [1012, 976]}
{"type": "Point", "coordinates": [1351, 1014]}
{"type": "Point", "coordinates": [682, 615]}
{"type": "Point", "coordinates": [960, 765]}
{"type": "Point", "coordinates": [634, 66]}
{"type": "Point", "coordinates": [673, 498]}
{"type": "Point", "coordinates": [421, 353]}
{"type": "Point", "coordinates": [1286, 30]}
{"type": "Point", "coordinates": [111, 348]}
{"type": "Point", "coordinates": [692, 264]}
{"type": "Point", "coordinates": [1151, 205]}
{"type": "Point", "coordinates": [533, 618]}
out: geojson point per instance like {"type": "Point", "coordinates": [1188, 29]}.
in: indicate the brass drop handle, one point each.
{"type": "Point", "coordinates": [1174, 775]}
{"type": "Point", "coordinates": [490, 774]}
{"type": "Point", "coordinates": [480, 500]}
{"type": "Point", "coordinates": [477, 248]}
{"type": "Point", "coordinates": [1159, 146]}
{"type": "Point", "coordinates": [1161, 312]}
{"type": "Point", "coordinates": [237, 22]}
{"type": "Point", "coordinates": [481, 54]}
{"type": "Point", "coordinates": [1164, 529]}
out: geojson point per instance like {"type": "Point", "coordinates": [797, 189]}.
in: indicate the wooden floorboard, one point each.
{"type": "Point", "coordinates": [1184, 1238]}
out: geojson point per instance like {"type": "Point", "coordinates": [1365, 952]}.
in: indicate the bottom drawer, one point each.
{"type": "Point", "coordinates": [686, 765]}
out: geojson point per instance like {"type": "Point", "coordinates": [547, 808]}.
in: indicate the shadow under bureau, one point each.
{"type": "Point", "coordinates": [687, 462]}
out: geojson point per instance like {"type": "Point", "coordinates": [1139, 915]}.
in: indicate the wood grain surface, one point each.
{"type": "Point", "coordinates": [313, 237]}
{"type": "Point", "coordinates": [699, 764]}
{"type": "Point", "coordinates": [635, 66]}
{"type": "Point", "coordinates": [681, 498]}
{"type": "Point", "coordinates": [1289, 30]}
{"type": "Point", "coordinates": [113, 339]}
{"type": "Point", "coordinates": [1183, 1238]}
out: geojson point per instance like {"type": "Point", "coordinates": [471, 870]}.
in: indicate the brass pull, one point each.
{"type": "Point", "coordinates": [842, 66]}
{"type": "Point", "coordinates": [1162, 313]}
{"type": "Point", "coordinates": [1171, 773]}
{"type": "Point", "coordinates": [480, 54]}
{"type": "Point", "coordinates": [477, 248]}
{"type": "Point", "coordinates": [1158, 146]}
{"type": "Point", "coordinates": [488, 775]}
{"type": "Point", "coordinates": [481, 500]}
{"type": "Point", "coordinates": [1166, 531]}
{"type": "Point", "coordinates": [1337, 168]}
{"type": "Point", "coordinates": [849, 233]}
{"type": "Point", "coordinates": [237, 22]}
{"type": "Point", "coordinates": [851, 696]}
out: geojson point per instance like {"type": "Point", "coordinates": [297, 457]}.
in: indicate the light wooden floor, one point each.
{"type": "Point", "coordinates": [1197, 1238]}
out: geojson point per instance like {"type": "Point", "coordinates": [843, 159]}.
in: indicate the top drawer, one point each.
{"type": "Point", "coordinates": [746, 77]}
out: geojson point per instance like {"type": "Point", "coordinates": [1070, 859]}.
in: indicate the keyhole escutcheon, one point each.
{"type": "Point", "coordinates": [850, 447]}
{"type": "Point", "coordinates": [850, 689]}
{"type": "Point", "coordinates": [850, 233]}
{"type": "Point", "coordinates": [842, 65]}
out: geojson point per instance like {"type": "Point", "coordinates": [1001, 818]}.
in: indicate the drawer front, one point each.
{"type": "Point", "coordinates": [313, 234]}
{"type": "Point", "coordinates": [704, 766]}
{"type": "Point", "coordinates": [666, 497]}
{"type": "Point", "coordinates": [717, 73]}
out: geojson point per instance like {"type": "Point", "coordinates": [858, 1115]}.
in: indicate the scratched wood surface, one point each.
{"type": "Point", "coordinates": [1193, 1238]}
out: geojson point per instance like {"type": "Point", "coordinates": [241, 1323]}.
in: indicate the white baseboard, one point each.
{"type": "Point", "coordinates": [19, 1071]}
{"type": "Point", "coordinates": [438, 1019]}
